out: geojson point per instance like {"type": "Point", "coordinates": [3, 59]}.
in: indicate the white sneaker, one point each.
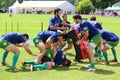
{"type": "Point", "coordinates": [90, 70]}
{"type": "Point", "coordinates": [31, 67]}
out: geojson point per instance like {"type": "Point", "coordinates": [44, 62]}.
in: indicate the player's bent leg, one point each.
{"type": "Point", "coordinates": [114, 54]}
{"type": "Point", "coordinates": [91, 56]}
{"type": "Point", "coordinates": [104, 50]}
{"type": "Point", "coordinates": [42, 48]}
{"type": "Point", "coordinates": [15, 50]}
{"type": "Point", "coordinates": [5, 53]}
{"type": "Point", "coordinates": [49, 64]}
{"type": "Point", "coordinates": [28, 62]}
{"type": "Point", "coordinates": [38, 66]}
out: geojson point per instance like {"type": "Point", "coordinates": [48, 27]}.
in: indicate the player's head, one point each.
{"type": "Point", "coordinates": [57, 11]}
{"type": "Point", "coordinates": [64, 16]}
{"type": "Point", "coordinates": [77, 18]}
{"type": "Point", "coordinates": [93, 18]}
{"type": "Point", "coordinates": [62, 37]}
{"type": "Point", "coordinates": [67, 63]}
{"type": "Point", "coordinates": [26, 36]}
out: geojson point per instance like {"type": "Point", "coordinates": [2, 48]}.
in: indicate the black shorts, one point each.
{"type": "Point", "coordinates": [46, 59]}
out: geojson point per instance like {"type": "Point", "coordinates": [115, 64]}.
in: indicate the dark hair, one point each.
{"type": "Point", "coordinates": [77, 16]}
{"type": "Point", "coordinates": [93, 18]}
{"type": "Point", "coordinates": [57, 10]}
{"type": "Point", "coordinates": [26, 35]}
{"type": "Point", "coordinates": [64, 36]}
{"type": "Point", "coordinates": [63, 15]}
{"type": "Point", "coordinates": [68, 63]}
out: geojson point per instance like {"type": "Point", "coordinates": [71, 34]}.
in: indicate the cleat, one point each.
{"type": "Point", "coordinates": [91, 70]}
{"type": "Point", "coordinates": [15, 70]}
{"type": "Point", "coordinates": [114, 60]}
{"type": "Point", "coordinates": [105, 63]}
{"type": "Point", "coordinates": [5, 64]}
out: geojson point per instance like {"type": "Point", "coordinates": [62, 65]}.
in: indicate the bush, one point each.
{"type": "Point", "coordinates": [85, 7]}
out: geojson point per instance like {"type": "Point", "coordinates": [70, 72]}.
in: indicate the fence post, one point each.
{"type": "Point", "coordinates": [5, 27]}
{"type": "Point", "coordinates": [11, 26]}
{"type": "Point", "coordinates": [41, 26]}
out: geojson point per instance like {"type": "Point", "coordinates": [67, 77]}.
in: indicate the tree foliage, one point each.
{"type": "Point", "coordinates": [84, 7]}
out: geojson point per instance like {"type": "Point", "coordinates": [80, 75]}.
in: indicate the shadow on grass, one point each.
{"type": "Point", "coordinates": [100, 71]}
{"type": "Point", "coordinates": [104, 72]}
{"type": "Point", "coordinates": [61, 68]}
{"type": "Point", "coordinates": [24, 69]}
{"type": "Point", "coordinates": [115, 65]}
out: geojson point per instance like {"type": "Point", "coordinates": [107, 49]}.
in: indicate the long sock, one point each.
{"type": "Point", "coordinates": [99, 53]}
{"type": "Point", "coordinates": [15, 58]}
{"type": "Point", "coordinates": [29, 62]}
{"type": "Point", "coordinates": [41, 66]}
{"type": "Point", "coordinates": [96, 49]}
{"type": "Point", "coordinates": [4, 56]}
{"type": "Point", "coordinates": [106, 57]}
{"type": "Point", "coordinates": [92, 65]}
{"type": "Point", "coordinates": [114, 54]}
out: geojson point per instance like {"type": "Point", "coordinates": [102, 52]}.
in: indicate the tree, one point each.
{"type": "Point", "coordinates": [84, 7]}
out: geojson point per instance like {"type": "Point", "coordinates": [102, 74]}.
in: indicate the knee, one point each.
{"type": "Point", "coordinates": [17, 51]}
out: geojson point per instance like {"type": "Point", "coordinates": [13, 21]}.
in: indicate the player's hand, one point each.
{"type": "Point", "coordinates": [62, 28]}
{"type": "Point", "coordinates": [78, 35]}
{"type": "Point", "coordinates": [34, 54]}
{"type": "Point", "coordinates": [78, 42]}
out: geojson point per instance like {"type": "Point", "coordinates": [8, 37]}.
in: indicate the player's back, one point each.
{"type": "Point", "coordinates": [14, 37]}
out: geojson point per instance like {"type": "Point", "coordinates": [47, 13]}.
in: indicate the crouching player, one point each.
{"type": "Point", "coordinates": [9, 43]}
{"type": "Point", "coordinates": [60, 59]}
{"type": "Point", "coordinates": [110, 41]}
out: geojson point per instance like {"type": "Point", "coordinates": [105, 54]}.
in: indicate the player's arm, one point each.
{"type": "Point", "coordinates": [54, 47]}
{"type": "Point", "coordinates": [25, 45]}
{"type": "Point", "coordinates": [56, 28]}
{"type": "Point", "coordinates": [52, 27]}
{"type": "Point", "coordinates": [84, 36]}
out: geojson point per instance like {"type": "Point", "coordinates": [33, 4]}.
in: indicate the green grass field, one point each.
{"type": "Point", "coordinates": [31, 24]}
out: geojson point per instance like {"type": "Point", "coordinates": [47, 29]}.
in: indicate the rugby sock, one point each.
{"type": "Point", "coordinates": [96, 49]}
{"type": "Point", "coordinates": [99, 53]}
{"type": "Point", "coordinates": [15, 58]}
{"type": "Point", "coordinates": [114, 54]}
{"type": "Point", "coordinates": [41, 66]}
{"type": "Point", "coordinates": [106, 57]}
{"type": "Point", "coordinates": [29, 62]}
{"type": "Point", "coordinates": [4, 56]}
{"type": "Point", "coordinates": [92, 65]}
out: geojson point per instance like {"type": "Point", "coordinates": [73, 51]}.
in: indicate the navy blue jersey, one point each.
{"type": "Point", "coordinates": [56, 22]}
{"type": "Point", "coordinates": [108, 36]}
{"type": "Point", "coordinates": [48, 34]}
{"type": "Point", "coordinates": [96, 25]}
{"type": "Point", "coordinates": [14, 38]}
{"type": "Point", "coordinates": [60, 58]}
{"type": "Point", "coordinates": [87, 26]}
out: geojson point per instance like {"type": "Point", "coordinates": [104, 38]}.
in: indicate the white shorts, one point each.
{"type": "Point", "coordinates": [107, 45]}
{"type": "Point", "coordinates": [92, 44]}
